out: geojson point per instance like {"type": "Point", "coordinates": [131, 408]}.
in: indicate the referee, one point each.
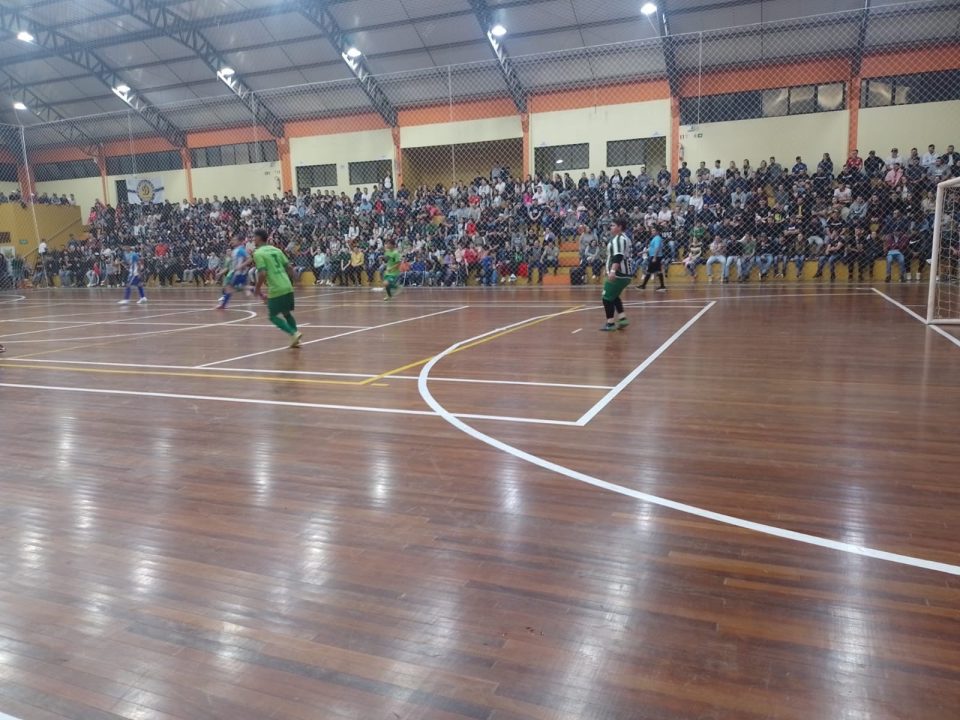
{"type": "Point", "coordinates": [618, 276]}
{"type": "Point", "coordinates": [654, 262]}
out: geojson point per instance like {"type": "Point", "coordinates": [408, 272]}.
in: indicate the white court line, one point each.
{"type": "Point", "coordinates": [844, 547]}
{"type": "Point", "coordinates": [282, 403]}
{"type": "Point", "coordinates": [619, 387]}
{"type": "Point", "coordinates": [10, 299]}
{"type": "Point", "coordinates": [250, 314]}
{"type": "Point", "coordinates": [911, 313]}
{"type": "Point", "coordinates": [116, 321]}
{"type": "Point", "coordinates": [361, 376]}
{"type": "Point", "coordinates": [331, 337]}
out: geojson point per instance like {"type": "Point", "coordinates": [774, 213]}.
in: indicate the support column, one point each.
{"type": "Point", "coordinates": [27, 188]}
{"type": "Point", "coordinates": [286, 169]}
{"type": "Point", "coordinates": [527, 149]}
{"type": "Point", "coordinates": [188, 171]}
{"type": "Point", "coordinates": [102, 166]}
{"type": "Point", "coordinates": [853, 103]}
{"type": "Point", "coordinates": [397, 159]}
{"type": "Point", "coordinates": [674, 136]}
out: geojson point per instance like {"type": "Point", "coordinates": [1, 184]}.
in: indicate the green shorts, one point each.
{"type": "Point", "coordinates": [391, 278]}
{"type": "Point", "coordinates": [280, 304]}
{"type": "Point", "coordinates": [613, 288]}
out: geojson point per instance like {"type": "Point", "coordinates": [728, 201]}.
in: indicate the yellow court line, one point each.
{"type": "Point", "coordinates": [381, 376]}
{"type": "Point", "coordinates": [159, 373]}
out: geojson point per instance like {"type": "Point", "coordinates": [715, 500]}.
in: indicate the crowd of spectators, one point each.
{"type": "Point", "coordinates": [14, 196]}
{"type": "Point", "coordinates": [770, 217]}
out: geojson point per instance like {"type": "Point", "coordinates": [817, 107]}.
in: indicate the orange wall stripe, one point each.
{"type": "Point", "coordinates": [853, 103]}
{"type": "Point", "coordinates": [227, 136]}
{"type": "Point", "coordinates": [470, 110]}
{"type": "Point", "coordinates": [604, 95]}
{"type": "Point", "coordinates": [335, 125]}
{"type": "Point", "coordinates": [674, 135]}
{"type": "Point", "coordinates": [765, 78]}
{"type": "Point", "coordinates": [906, 62]}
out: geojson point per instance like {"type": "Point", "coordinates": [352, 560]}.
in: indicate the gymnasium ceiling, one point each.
{"type": "Point", "coordinates": [276, 50]}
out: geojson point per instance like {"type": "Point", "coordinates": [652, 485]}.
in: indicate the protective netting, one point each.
{"type": "Point", "coordinates": [798, 148]}
{"type": "Point", "coordinates": [944, 301]}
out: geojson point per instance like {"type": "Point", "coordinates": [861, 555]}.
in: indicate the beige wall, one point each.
{"type": "Point", "coordinates": [235, 181]}
{"type": "Point", "coordinates": [54, 223]}
{"type": "Point", "coordinates": [8, 187]}
{"type": "Point", "coordinates": [85, 190]}
{"type": "Point", "coordinates": [469, 131]}
{"type": "Point", "coordinates": [907, 126]}
{"type": "Point", "coordinates": [174, 184]}
{"type": "Point", "coordinates": [784, 137]}
{"type": "Point", "coordinates": [341, 149]}
{"type": "Point", "coordinates": [597, 125]}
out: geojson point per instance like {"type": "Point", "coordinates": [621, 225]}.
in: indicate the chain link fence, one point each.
{"type": "Point", "coordinates": [784, 149]}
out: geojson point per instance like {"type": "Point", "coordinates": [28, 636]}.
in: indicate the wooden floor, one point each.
{"type": "Point", "coordinates": [462, 504]}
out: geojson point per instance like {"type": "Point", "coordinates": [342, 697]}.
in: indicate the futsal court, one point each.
{"type": "Point", "coordinates": [471, 504]}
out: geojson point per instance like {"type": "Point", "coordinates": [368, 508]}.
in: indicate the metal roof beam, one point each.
{"type": "Point", "coordinates": [12, 21]}
{"type": "Point", "coordinates": [318, 12]}
{"type": "Point", "coordinates": [70, 130]}
{"type": "Point", "coordinates": [669, 51]}
{"type": "Point", "coordinates": [176, 27]}
{"type": "Point", "coordinates": [509, 73]}
{"type": "Point", "coordinates": [857, 61]}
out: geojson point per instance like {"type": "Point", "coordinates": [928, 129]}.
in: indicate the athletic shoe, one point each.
{"type": "Point", "coordinates": [663, 289]}
{"type": "Point", "coordinates": [608, 328]}
{"type": "Point", "coordinates": [639, 287]}
{"type": "Point", "coordinates": [123, 302]}
{"type": "Point", "coordinates": [295, 339]}
{"type": "Point", "coordinates": [623, 323]}
{"type": "Point", "coordinates": [142, 301]}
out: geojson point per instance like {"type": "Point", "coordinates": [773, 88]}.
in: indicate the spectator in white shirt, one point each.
{"type": "Point", "coordinates": [843, 195]}
{"type": "Point", "coordinates": [894, 159]}
{"type": "Point", "coordinates": [717, 171]}
{"type": "Point", "coordinates": [930, 157]}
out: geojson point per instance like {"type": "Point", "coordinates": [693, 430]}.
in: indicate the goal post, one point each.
{"type": "Point", "coordinates": [943, 297]}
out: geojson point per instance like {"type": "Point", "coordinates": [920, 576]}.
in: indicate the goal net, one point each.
{"type": "Point", "coordinates": [943, 301]}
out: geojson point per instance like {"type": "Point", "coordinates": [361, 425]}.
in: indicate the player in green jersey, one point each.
{"type": "Point", "coordinates": [392, 272]}
{"type": "Point", "coordinates": [274, 268]}
{"type": "Point", "coordinates": [618, 276]}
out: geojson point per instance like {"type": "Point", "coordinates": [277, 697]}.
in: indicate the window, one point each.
{"type": "Point", "coordinates": [144, 162]}
{"type": "Point", "coordinates": [911, 89]}
{"type": "Point", "coordinates": [236, 154]}
{"type": "Point", "coordinates": [311, 176]}
{"type": "Point", "coordinates": [8, 172]}
{"type": "Point", "coordinates": [776, 102]}
{"type": "Point", "coordinates": [651, 152]}
{"type": "Point", "coordinates": [68, 170]}
{"type": "Point", "coordinates": [561, 158]}
{"type": "Point", "coordinates": [625, 152]}
{"type": "Point", "coordinates": [369, 172]}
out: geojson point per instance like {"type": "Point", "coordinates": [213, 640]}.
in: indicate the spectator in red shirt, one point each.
{"type": "Point", "coordinates": [854, 162]}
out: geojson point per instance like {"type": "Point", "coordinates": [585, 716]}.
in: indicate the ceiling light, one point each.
{"type": "Point", "coordinates": [122, 89]}
{"type": "Point", "coordinates": [353, 52]}
{"type": "Point", "coordinates": [24, 36]}
{"type": "Point", "coordinates": [226, 72]}
{"type": "Point", "coordinates": [498, 31]}
{"type": "Point", "coordinates": [19, 106]}
{"type": "Point", "coordinates": [648, 8]}
{"type": "Point", "coordinates": [559, 162]}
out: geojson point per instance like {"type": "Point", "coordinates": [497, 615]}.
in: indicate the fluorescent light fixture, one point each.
{"type": "Point", "coordinates": [122, 89]}
{"type": "Point", "coordinates": [648, 8]}
{"type": "Point", "coordinates": [498, 31]}
{"type": "Point", "coordinates": [24, 36]}
{"type": "Point", "coordinates": [226, 72]}
{"type": "Point", "coordinates": [19, 106]}
{"type": "Point", "coordinates": [559, 161]}
{"type": "Point", "coordinates": [353, 52]}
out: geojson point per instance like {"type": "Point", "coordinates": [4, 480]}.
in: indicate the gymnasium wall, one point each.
{"type": "Point", "coordinates": [8, 187]}
{"type": "Point", "coordinates": [907, 126]}
{"type": "Point", "coordinates": [783, 137]}
{"type": "Point", "coordinates": [234, 181]}
{"type": "Point", "coordinates": [462, 161]}
{"type": "Point", "coordinates": [54, 223]}
{"type": "Point", "coordinates": [598, 124]}
{"type": "Point", "coordinates": [86, 190]}
{"type": "Point", "coordinates": [174, 184]}
{"type": "Point", "coordinates": [341, 148]}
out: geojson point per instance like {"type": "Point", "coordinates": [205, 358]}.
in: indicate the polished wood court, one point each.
{"type": "Point", "coordinates": [396, 520]}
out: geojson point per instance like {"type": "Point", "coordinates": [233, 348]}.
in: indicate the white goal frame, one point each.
{"type": "Point", "coordinates": [935, 255]}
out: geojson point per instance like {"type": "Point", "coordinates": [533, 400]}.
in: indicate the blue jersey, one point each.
{"type": "Point", "coordinates": [656, 246]}
{"type": "Point", "coordinates": [133, 262]}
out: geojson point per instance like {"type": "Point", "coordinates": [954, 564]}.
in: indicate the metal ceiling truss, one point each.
{"type": "Point", "coordinates": [857, 60]}
{"type": "Point", "coordinates": [176, 27]}
{"type": "Point", "coordinates": [13, 22]}
{"type": "Point", "coordinates": [318, 12]}
{"type": "Point", "coordinates": [669, 51]}
{"type": "Point", "coordinates": [68, 129]}
{"type": "Point", "coordinates": [510, 77]}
